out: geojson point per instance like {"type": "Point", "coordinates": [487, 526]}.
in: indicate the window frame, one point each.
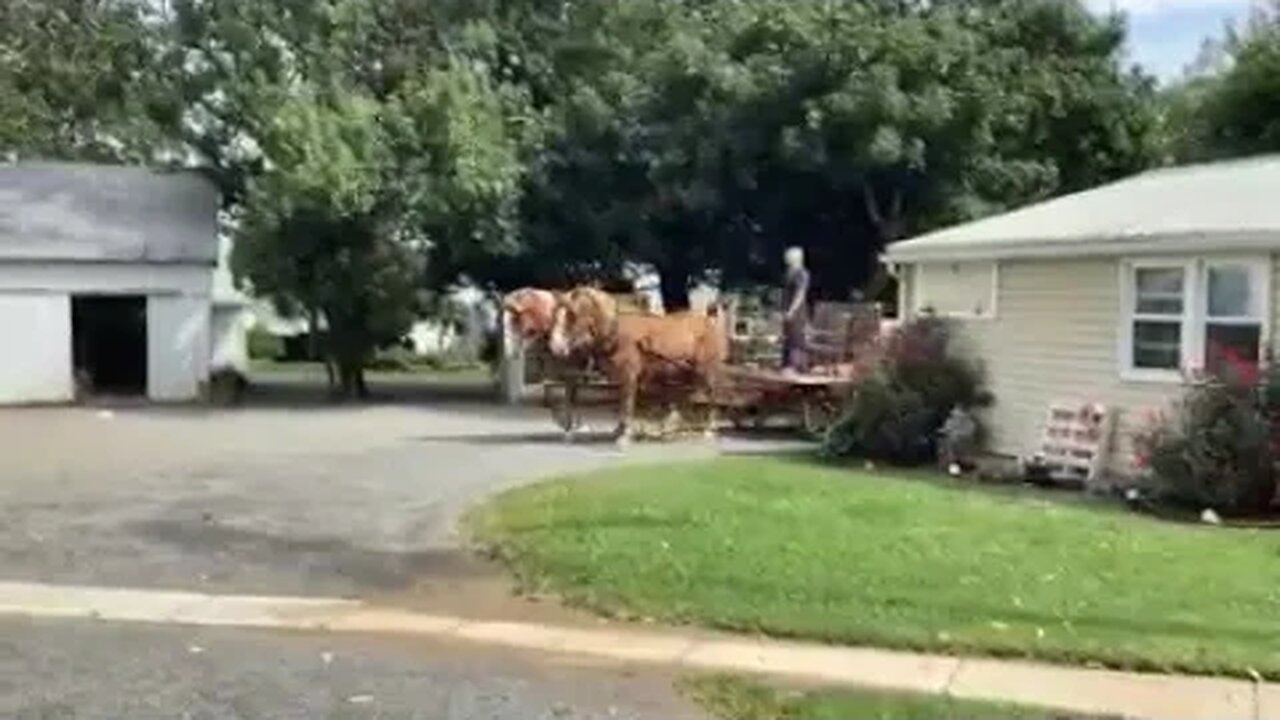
{"type": "Point", "coordinates": [1195, 317]}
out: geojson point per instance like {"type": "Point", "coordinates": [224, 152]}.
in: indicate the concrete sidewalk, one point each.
{"type": "Point", "coordinates": [1158, 697]}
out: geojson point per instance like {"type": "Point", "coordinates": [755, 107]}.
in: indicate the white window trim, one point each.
{"type": "Point", "coordinates": [917, 285]}
{"type": "Point", "coordinates": [1195, 311]}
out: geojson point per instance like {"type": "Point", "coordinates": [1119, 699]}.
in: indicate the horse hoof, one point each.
{"type": "Point", "coordinates": [623, 442]}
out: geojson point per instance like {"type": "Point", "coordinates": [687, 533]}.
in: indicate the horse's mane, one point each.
{"type": "Point", "coordinates": [601, 301]}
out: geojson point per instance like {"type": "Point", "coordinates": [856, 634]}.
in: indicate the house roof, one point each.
{"type": "Point", "coordinates": [102, 213]}
{"type": "Point", "coordinates": [1216, 206]}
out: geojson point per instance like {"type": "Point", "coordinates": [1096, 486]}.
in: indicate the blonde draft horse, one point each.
{"type": "Point", "coordinates": [529, 314]}
{"type": "Point", "coordinates": [686, 350]}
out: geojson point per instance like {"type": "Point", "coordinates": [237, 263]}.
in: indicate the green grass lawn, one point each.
{"type": "Point", "coordinates": [737, 699]}
{"type": "Point", "coordinates": [793, 548]}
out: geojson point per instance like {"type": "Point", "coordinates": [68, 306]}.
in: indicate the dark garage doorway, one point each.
{"type": "Point", "coordinates": [109, 344]}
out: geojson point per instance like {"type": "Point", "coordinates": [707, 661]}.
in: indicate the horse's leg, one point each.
{"type": "Point", "coordinates": [629, 386]}
{"type": "Point", "coordinates": [710, 391]}
{"type": "Point", "coordinates": [569, 407]}
{"type": "Point", "coordinates": [672, 421]}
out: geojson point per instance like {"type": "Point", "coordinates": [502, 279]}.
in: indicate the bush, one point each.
{"type": "Point", "coordinates": [1218, 449]}
{"type": "Point", "coordinates": [884, 421]}
{"type": "Point", "coordinates": [921, 357]}
{"type": "Point", "coordinates": [263, 345]}
{"type": "Point", "coordinates": [896, 414]}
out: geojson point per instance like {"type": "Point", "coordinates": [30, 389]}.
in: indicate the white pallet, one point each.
{"type": "Point", "coordinates": [1075, 441]}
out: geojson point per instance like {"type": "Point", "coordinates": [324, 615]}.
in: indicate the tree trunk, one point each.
{"type": "Point", "coordinates": [316, 352]}
{"type": "Point", "coordinates": [890, 223]}
{"type": "Point", "coordinates": [675, 289]}
{"type": "Point", "coordinates": [351, 378]}
{"type": "Point", "coordinates": [362, 388]}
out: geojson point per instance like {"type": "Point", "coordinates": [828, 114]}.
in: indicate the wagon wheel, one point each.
{"type": "Point", "coordinates": [745, 417]}
{"type": "Point", "coordinates": [560, 413]}
{"type": "Point", "coordinates": [817, 415]}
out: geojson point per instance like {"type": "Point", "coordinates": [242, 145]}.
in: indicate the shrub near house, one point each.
{"type": "Point", "coordinates": [896, 413]}
{"type": "Point", "coordinates": [1218, 449]}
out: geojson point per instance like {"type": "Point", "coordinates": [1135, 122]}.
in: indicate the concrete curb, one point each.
{"type": "Point", "coordinates": [1159, 697]}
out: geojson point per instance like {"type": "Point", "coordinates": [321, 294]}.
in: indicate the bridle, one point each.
{"type": "Point", "coordinates": [604, 341]}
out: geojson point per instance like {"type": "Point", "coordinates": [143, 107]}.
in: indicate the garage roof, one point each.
{"type": "Point", "coordinates": [102, 213]}
{"type": "Point", "coordinates": [1215, 206]}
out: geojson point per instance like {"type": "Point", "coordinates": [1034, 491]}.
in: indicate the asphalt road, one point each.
{"type": "Point", "coordinates": [96, 671]}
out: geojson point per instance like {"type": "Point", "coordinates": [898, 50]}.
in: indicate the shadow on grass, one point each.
{"type": "Point", "coordinates": [930, 476]}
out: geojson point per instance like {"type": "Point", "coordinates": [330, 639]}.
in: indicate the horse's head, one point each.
{"type": "Point", "coordinates": [531, 312]}
{"type": "Point", "coordinates": [585, 317]}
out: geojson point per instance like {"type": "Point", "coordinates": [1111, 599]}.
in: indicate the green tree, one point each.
{"type": "Point", "coordinates": [462, 142]}
{"type": "Point", "coordinates": [1241, 109]}
{"type": "Point", "coordinates": [709, 134]}
{"type": "Point", "coordinates": [317, 231]}
{"type": "Point", "coordinates": [77, 80]}
{"type": "Point", "coordinates": [365, 147]}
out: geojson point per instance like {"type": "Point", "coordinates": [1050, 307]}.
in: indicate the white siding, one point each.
{"type": "Point", "coordinates": [961, 289]}
{"type": "Point", "coordinates": [36, 364]}
{"type": "Point", "coordinates": [230, 338]}
{"type": "Point", "coordinates": [105, 278]}
{"type": "Point", "coordinates": [1056, 338]}
{"type": "Point", "coordinates": [177, 346]}
{"type": "Point", "coordinates": [431, 338]}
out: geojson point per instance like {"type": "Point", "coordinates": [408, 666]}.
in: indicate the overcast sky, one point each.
{"type": "Point", "coordinates": [1165, 35]}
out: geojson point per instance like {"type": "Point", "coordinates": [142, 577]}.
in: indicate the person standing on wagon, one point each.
{"type": "Point", "coordinates": [795, 309]}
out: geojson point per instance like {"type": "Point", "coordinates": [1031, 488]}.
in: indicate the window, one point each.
{"type": "Point", "coordinates": [1159, 302]}
{"type": "Point", "coordinates": [1188, 314]}
{"type": "Point", "coordinates": [1234, 314]}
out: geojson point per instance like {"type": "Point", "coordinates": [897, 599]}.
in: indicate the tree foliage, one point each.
{"type": "Point", "coordinates": [371, 149]}
{"type": "Point", "coordinates": [710, 134]}
{"type": "Point", "coordinates": [77, 79]}
{"type": "Point", "coordinates": [362, 165]}
{"type": "Point", "coordinates": [1242, 110]}
{"type": "Point", "coordinates": [1228, 105]}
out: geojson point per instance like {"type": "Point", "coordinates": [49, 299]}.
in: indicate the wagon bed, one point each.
{"type": "Point", "coordinates": [753, 396]}
{"type": "Point", "coordinates": [750, 397]}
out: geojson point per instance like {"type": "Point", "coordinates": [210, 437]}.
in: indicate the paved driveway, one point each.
{"type": "Point", "coordinates": [278, 497]}
{"type": "Point", "coordinates": [287, 496]}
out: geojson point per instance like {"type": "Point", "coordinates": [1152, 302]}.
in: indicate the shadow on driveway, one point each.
{"type": "Point", "coordinates": [319, 557]}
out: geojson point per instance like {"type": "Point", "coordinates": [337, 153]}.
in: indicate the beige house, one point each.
{"type": "Point", "coordinates": [1109, 295]}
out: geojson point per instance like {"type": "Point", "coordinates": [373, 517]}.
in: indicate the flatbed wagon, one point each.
{"type": "Point", "coordinates": [749, 398]}
{"type": "Point", "coordinates": [752, 397]}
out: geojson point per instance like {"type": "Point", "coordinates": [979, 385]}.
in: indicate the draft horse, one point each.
{"type": "Point", "coordinates": [529, 314]}
{"type": "Point", "coordinates": [686, 351]}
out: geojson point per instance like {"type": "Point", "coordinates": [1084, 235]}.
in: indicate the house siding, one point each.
{"type": "Point", "coordinates": [35, 312]}
{"type": "Point", "coordinates": [1055, 337]}
{"type": "Point", "coordinates": [964, 288]}
{"type": "Point", "coordinates": [36, 364]}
